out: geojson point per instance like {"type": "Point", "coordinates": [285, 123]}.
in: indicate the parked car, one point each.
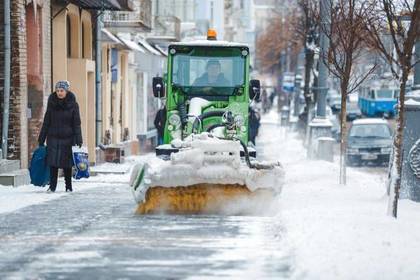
{"type": "Point", "coordinates": [353, 111]}
{"type": "Point", "coordinates": [369, 141]}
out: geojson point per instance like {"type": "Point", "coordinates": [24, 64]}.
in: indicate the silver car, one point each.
{"type": "Point", "coordinates": [369, 141]}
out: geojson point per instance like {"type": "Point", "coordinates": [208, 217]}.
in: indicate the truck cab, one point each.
{"type": "Point", "coordinates": [207, 89]}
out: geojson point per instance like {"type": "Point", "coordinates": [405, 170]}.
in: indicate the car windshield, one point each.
{"type": "Point", "coordinates": [370, 130]}
{"type": "Point", "coordinates": [384, 93]}
{"type": "Point", "coordinates": [196, 70]}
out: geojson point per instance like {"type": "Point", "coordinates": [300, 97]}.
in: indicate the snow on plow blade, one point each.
{"type": "Point", "coordinates": [207, 176]}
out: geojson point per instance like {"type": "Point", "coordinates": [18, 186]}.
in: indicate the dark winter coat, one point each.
{"type": "Point", "coordinates": [61, 129]}
{"type": "Point", "coordinates": [254, 125]}
{"type": "Point", "coordinates": [160, 121]}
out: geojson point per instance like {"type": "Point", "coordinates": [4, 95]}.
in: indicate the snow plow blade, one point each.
{"type": "Point", "coordinates": [205, 199]}
{"type": "Point", "coordinates": [206, 176]}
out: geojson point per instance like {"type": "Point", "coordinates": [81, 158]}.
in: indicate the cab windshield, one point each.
{"type": "Point", "coordinates": [209, 71]}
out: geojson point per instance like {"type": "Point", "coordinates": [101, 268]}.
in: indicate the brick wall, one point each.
{"type": "Point", "coordinates": [17, 140]}
{"type": "Point", "coordinates": [39, 74]}
{"type": "Point", "coordinates": [23, 132]}
{"type": "Point", "coordinates": [18, 137]}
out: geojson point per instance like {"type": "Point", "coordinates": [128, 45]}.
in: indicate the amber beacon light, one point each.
{"type": "Point", "coordinates": [211, 34]}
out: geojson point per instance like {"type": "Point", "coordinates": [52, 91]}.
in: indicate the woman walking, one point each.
{"type": "Point", "coordinates": [61, 129]}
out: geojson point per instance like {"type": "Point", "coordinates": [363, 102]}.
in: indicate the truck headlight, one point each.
{"type": "Point", "coordinates": [386, 150]}
{"type": "Point", "coordinates": [175, 120]}
{"type": "Point", "coordinates": [176, 134]}
{"type": "Point", "coordinates": [239, 120]}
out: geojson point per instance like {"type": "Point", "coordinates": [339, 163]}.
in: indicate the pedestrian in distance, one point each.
{"type": "Point", "coordinates": [159, 123]}
{"type": "Point", "coordinates": [61, 129]}
{"type": "Point", "coordinates": [254, 124]}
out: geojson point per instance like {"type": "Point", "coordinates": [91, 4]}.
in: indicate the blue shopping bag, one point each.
{"type": "Point", "coordinates": [39, 169]}
{"type": "Point", "coordinates": [81, 163]}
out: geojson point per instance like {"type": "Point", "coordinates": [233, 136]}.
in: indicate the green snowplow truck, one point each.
{"type": "Point", "coordinates": [205, 164]}
{"type": "Point", "coordinates": [207, 89]}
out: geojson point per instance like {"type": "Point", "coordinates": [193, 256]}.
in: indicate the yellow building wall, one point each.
{"type": "Point", "coordinates": [106, 89]}
{"type": "Point", "coordinates": [78, 70]}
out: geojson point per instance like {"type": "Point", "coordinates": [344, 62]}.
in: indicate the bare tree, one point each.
{"type": "Point", "coordinates": [347, 48]}
{"type": "Point", "coordinates": [277, 39]}
{"type": "Point", "coordinates": [390, 24]}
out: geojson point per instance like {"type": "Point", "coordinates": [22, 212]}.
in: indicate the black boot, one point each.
{"type": "Point", "coordinates": [53, 179]}
{"type": "Point", "coordinates": [67, 179]}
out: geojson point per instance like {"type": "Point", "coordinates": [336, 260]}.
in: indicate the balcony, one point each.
{"type": "Point", "coordinates": [166, 28]}
{"type": "Point", "coordinates": [137, 20]}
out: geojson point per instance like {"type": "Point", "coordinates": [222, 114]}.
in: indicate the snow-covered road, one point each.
{"type": "Point", "coordinates": [94, 234]}
{"type": "Point", "coordinates": [321, 230]}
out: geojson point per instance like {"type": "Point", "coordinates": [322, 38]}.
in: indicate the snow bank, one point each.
{"type": "Point", "coordinates": [341, 232]}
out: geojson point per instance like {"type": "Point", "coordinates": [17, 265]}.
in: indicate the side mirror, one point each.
{"type": "Point", "coordinates": [158, 87]}
{"type": "Point", "coordinates": [254, 89]}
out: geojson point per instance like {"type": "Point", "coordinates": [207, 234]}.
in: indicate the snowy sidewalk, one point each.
{"type": "Point", "coordinates": [341, 232]}
{"type": "Point", "coordinates": [12, 199]}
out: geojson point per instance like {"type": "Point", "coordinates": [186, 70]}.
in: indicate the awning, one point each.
{"type": "Point", "coordinates": [148, 47]}
{"type": "Point", "coordinates": [132, 45]}
{"type": "Point", "coordinates": [108, 37]}
{"type": "Point", "coordinates": [162, 51]}
{"type": "Point", "coordinates": [110, 5]}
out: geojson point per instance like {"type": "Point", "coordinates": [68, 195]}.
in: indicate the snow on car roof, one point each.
{"type": "Point", "coordinates": [210, 43]}
{"type": "Point", "coordinates": [370, 121]}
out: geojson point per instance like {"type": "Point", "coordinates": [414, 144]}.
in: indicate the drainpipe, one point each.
{"type": "Point", "coordinates": [6, 93]}
{"type": "Point", "coordinates": [98, 68]}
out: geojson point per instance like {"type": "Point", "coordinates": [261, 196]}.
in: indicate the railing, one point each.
{"type": "Point", "coordinates": [167, 26]}
{"type": "Point", "coordinates": [141, 14]}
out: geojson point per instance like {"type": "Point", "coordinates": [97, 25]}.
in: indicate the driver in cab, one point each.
{"type": "Point", "coordinates": [213, 76]}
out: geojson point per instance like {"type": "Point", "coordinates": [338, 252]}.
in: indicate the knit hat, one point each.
{"type": "Point", "coordinates": [63, 84]}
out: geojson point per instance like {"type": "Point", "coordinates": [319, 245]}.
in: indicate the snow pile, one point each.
{"type": "Point", "coordinates": [205, 159]}
{"type": "Point", "coordinates": [341, 232]}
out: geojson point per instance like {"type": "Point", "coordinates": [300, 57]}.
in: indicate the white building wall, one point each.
{"type": "Point", "coordinates": [210, 14]}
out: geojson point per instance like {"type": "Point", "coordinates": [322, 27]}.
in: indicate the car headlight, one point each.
{"type": "Point", "coordinates": [175, 120]}
{"type": "Point", "coordinates": [239, 120]}
{"type": "Point", "coordinates": [352, 151]}
{"type": "Point", "coordinates": [386, 150]}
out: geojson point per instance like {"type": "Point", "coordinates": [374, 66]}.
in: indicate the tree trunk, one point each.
{"type": "Point", "coordinates": [343, 134]}
{"type": "Point", "coordinates": [309, 62]}
{"type": "Point", "coordinates": [396, 169]}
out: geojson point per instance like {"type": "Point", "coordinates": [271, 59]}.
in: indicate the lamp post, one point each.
{"type": "Point", "coordinates": [321, 126]}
